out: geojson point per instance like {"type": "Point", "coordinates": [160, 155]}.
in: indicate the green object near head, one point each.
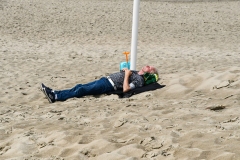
{"type": "Point", "coordinates": [150, 78]}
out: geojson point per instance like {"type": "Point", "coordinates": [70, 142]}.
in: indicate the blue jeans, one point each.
{"type": "Point", "coordinates": [93, 88]}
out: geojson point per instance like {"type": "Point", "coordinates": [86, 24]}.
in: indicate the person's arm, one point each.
{"type": "Point", "coordinates": [126, 86]}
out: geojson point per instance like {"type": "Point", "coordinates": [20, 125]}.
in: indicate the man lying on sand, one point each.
{"type": "Point", "coordinates": [124, 80]}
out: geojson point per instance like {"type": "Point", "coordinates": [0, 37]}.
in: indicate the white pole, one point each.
{"type": "Point", "coordinates": [134, 34]}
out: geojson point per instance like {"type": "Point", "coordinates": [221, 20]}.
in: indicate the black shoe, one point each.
{"type": "Point", "coordinates": [48, 93]}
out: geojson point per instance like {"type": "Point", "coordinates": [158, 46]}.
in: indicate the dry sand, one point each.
{"type": "Point", "coordinates": [195, 46]}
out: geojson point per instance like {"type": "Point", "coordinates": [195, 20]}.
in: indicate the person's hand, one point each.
{"type": "Point", "coordinates": [124, 69]}
{"type": "Point", "coordinates": [127, 72]}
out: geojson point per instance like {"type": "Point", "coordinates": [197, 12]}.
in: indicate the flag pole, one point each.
{"type": "Point", "coordinates": [134, 34]}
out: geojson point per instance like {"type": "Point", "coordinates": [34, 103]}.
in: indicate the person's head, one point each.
{"type": "Point", "coordinates": [148, 69]}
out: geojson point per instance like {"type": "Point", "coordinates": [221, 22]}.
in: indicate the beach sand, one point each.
{"type": "Point", "coordinates": [195, 46]}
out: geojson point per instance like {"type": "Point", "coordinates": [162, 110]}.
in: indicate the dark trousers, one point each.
{"type": "Point", "coordinates": [97, 87]}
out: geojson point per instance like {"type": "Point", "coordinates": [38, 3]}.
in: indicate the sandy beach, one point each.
{"type": "Point", "coordinates": [194, 45]}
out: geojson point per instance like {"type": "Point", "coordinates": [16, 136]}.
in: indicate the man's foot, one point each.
{"type": "Point", "coordinates": [48, 93]}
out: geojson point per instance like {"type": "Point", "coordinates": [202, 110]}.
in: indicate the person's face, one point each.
{"type": "Point", "coordinates": [146, 69]}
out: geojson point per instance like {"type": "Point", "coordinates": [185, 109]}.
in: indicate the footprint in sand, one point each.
{"type": "Point", "coordinates": [86, 139]}
{"type": "Point", "coordinates": [120, 122]}
{"type": "Point", "coordinates": [4, 149]}
{"type": "Point", "coordinates": [151, 143]}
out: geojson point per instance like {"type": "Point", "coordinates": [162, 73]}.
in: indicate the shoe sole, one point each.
{"type": "Point", "coordinates": [45, 93]}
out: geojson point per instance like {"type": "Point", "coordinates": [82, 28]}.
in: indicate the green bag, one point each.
{"type": "Point", "coordinates": [150, 78]}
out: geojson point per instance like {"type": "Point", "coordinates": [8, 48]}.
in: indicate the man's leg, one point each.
{"type": "Point", "coordinates": [93, 88]}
